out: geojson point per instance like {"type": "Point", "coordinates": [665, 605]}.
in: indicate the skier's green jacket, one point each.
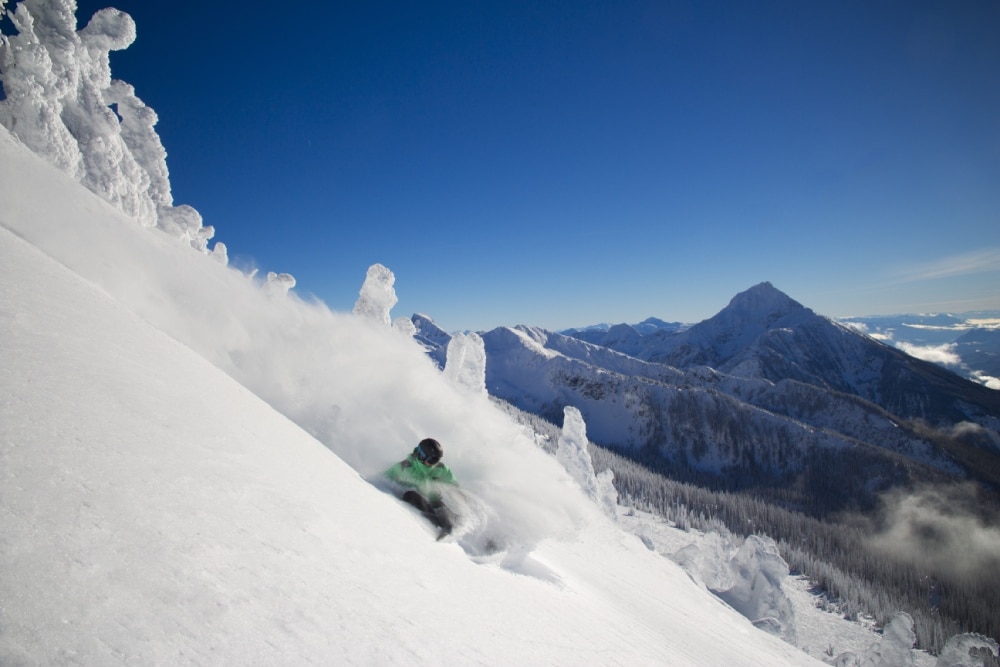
{"type": "Point", "coordinates": [416, 474]}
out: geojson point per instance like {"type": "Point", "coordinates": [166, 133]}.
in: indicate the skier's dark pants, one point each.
{"type": "Point", "coordinates": [435, 511]}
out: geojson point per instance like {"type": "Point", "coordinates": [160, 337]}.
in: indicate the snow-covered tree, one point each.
{"type": "Point", "coordinates": [466, 362]}
{"type": "Point", "coordinates": [279, 283]}
{"type": "Point", "coordinates": [110, 168]}
{"type": "Point", "coordinates": [708, 562]}
{"type": "Point", "coordinates": [758, 571]}
{"type": "Point", "coordinates": [137, 123]}
{"type": "Point", "coordinates": [572, 453]}
{"type": "Point", "coordinates": [184, 222]}
{"type": "Point", "coordinates": [895, 649]}
{"type": "Point", "coordinates": [377, 296]}
{"type": "Point", "coordinates": [968, 650]}
{"type": "Point", "coordinates": [749, 579]}
{"type": "Point", "coordinates": [37, 77]}
{"type": "Point", "coordinates": [61, 102]}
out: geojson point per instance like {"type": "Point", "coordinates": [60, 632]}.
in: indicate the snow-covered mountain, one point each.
{"type": "Point", "coordinates": [763, 333]}
{"type": "Point", "coordinates": [765, 389]}
{"type": "Point", "coordinates": [432, 337]}
{"type": "Point", "coordinates": [614, 335]}
{"type": "Point", "coordinates": [967, 344]}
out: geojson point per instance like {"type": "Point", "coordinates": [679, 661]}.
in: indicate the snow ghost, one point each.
{"type": "Point", "coordinates": [279, 283]}
{"type": "Point", "coordinates": [895, 649]}
{"type": "Point", "coordinates": [959, 650]}
{"type": "Point", "coordinates": [37, 78]}
{"type": "Point", "coordinates": [708, 562]}
{"type": "Point", "coordinates": [377, 296]}
{"type": "Point", "coordinates": [572, 453]}
{"type": "Point", "coordinates": [749, 579]}
{"type": "Point", "coordinates": [137, 123]}
{"type": "Point", "coordinates": [466, 362]}
{"type": "Point", "coordinates": [757, 572]}
{"type": "Point", "coordinates": [184, 223]}
{"type": "Point", "coordinates": [62, 103]}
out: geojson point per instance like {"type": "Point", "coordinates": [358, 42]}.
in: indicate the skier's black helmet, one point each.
{"type": "Point", "coordinates": [429, 451]}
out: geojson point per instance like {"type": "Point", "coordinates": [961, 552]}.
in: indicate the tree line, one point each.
{"type": "Point", "coordinates": [835, 553]}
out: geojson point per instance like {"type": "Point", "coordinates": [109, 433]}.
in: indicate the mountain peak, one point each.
{"type": "Point", "coordinates": [764, 299]}
{"type": "Point", "coordinates": [749, 315]}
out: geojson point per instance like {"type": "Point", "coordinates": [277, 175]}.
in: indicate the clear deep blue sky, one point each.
{"type": "Point", "coordinates": [566, 163]}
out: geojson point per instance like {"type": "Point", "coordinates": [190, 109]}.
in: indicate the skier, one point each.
{"type": "Point", "coordinates": [423, 474]}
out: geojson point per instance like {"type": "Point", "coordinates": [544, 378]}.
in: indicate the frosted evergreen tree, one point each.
{"type": "Point", "coordinates": [749, 578]}
{"type": "Point", "coordinates": [708, 561]}
{"type": "Point", "coordinates": [61, 102]}
{"type": "Point", "coordinates": [571, 452]}
{"type": "Point", "coordinates": [465, 363]}
{"type": "Point", "coordinates": [184, 223]}
{"type": "Point", "coordinates": [137, 123]}
{"type": "Point", "coordinates": [37, 78]}
{"type": "Point", "coordinates": [758, 570]}
{"type": "Point", "coordinates": [377, 296]}
{"type": "Point", "coordinates": [969, 650]}
{"type": "Point", "coordinates": [895, 649]}
{"type": "Point", "coordinates": [110, 168]}
{"type": "Point", "coordinates": [279, 283]}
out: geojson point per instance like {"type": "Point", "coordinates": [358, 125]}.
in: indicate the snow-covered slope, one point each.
{"type": "Point", "coordinates": [161, 502]}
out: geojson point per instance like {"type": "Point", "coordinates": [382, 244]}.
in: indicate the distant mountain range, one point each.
{"type": "Point", "coordinates": [765, 394]}
{"type": "Point", "coordinates": [967, 344]}
{"type": "Point", "coordinates": [594, 333]}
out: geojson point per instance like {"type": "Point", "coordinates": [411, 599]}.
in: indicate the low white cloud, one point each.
{"type": "Point", "coordinates": [987, 380]}
{"type": "Point", "coordinates": [934, 530]}
{"type": "Point", "coordinates": [967, 428]}
{"type": "Point", "coordinates": [863, 328]}
{"type": "Point", "coordinates": [938, 354]}
{"type": "Point", "coordinates": [857, 326]}
{"type": "Point", "coordinates": [938, 327]}
{"type": "Point", "coordinates": [987, 323]}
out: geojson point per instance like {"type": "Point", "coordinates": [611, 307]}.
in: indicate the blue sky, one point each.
{"type": "Point", "coordinates": [566, 163]}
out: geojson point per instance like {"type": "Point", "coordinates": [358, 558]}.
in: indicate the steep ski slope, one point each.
{"type": "Point", "coordinates": [155, 511]}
